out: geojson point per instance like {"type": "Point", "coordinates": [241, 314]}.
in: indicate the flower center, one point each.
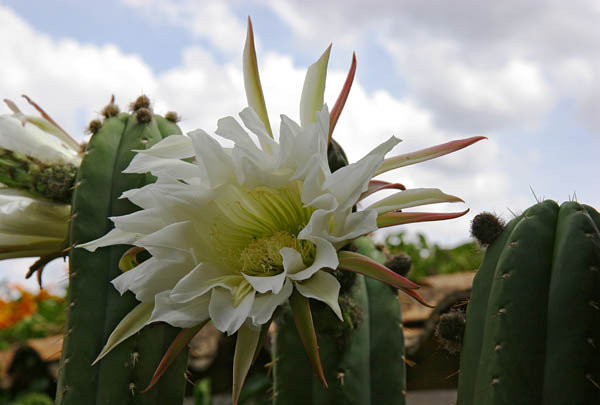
{"type": "Point", "coordinates": [262, 257]}
{"type": "Point", "coordinates": [254, 224]}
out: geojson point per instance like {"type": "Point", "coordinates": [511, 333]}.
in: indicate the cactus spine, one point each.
{"type": "Point", "coordinates": [363, 359]}
{"type": "Point", "coordinates": [95, 307]}
{"type": "Point", "coordinates": [533, 322]}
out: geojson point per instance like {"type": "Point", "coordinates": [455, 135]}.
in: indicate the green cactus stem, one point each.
{"type": "Point", "coordinates": [533, 321]}
{"type": "Point", "coordinates": [95, 307]}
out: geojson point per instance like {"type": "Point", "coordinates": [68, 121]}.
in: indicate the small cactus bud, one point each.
{"type": "Point", "coordinates": [143, 116]}
{"type": "Point", "coordinates": [141, 102]}
{"type": "Point", "coordinates": [111, 110]}
{"type": "Point", "coordinates": [94, 126]}
{"type": "Point", "coordinates": [451, 329]}
{"type": "Point", "coordinates": [399, 264]}
{"type": "Point", "coordinates": [172, 116]}
{"type": "Point", "coordinates": [486, 227]}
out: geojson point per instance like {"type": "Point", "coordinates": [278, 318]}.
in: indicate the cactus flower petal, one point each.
{"type": "Point", "coordinates": [314, 89]}
{"type": "Point", "coordinates": [245, 347]}
{"type": "Point", "coordinates": [132, 323]}
{"type": "Point", "coordinates": [323, 287]}
{"type": "Point", "coordinates": [31, 227]}
{"type": "Point", "coordinates": [306, 330]}
{"type": "Point", "coordinates": [254, 92]}
{"type": "Point", "coordinates": [179, 343]}
{"type": "Point", "coordinates": [378, 185]}
{"type": "Point", "coordinates": [426, 154]}
{"type": "Point", "coordinates": [336, 111]}
{"type": "Point", "coordinates": [412, 198]}
{"type": "Point", "coordinates": [399, 218]}
{"type": "Point", "coordinates": [365, 265]}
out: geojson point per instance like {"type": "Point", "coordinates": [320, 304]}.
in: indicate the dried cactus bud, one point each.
{"type": "Point", "coordinates": [399, 264]}
{"type": "Point", "coordinates": [486, 227]}
{"type": "Point", "coordinates": [143, 116]}
{"type": "Point", "coordinates": [172, 116]}
{"type": "Point", "coordinates": [141, 102]}
{"type": "Point", "coordinates": [111, 110]}
{"type": "Point", "coordinates": [451, 329]}
{"type": "Point", "coordinates": [93, 127]}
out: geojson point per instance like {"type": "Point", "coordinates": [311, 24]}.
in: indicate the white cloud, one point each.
{"type": "Point", "coordinates": [476, 65]}
{"type": "Point", "coordinates": [210, 20]}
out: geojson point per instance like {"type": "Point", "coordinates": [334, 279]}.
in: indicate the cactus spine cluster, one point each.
{"type": "Point", "coordinates": [363, 359]}
{"type": "Point", "coordinates": [533, 322]}
{"type": "Point", "coordinates": [95, 307]}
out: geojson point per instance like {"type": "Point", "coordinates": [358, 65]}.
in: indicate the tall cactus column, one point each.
{"type": "Point", "coordinates": [533, 322]}
{"type": "Point", "coordinates": [95, 307]}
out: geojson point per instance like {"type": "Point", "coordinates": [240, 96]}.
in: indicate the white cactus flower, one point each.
{"type": "Point", "coordinates": [31, 227]}
{"type": "Point", "coordinates": [235, 232]}
{"type": "Point", "coordinates": [38, 164]}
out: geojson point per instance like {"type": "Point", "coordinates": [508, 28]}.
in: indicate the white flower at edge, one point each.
{"type": "Point", "coordinates": [36, 137]}
{"type": "Point", "coordinates": [31, 227]}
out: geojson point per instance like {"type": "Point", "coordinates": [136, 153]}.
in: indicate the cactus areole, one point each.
{"type": "Point", "coordinates": [533, 321]}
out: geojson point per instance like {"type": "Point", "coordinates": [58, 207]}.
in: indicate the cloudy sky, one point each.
{"type": "Point", "coordinates": [522, 73]}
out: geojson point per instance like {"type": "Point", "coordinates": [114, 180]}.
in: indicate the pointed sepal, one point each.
{"type": "Point", "coordinates": [412, 198]}
{"type": "Point", "coordinates": [314, 89]}
{"type": "Point", "coordinates": [254, 93]}
{"type": "Point", "coordinates": [334, 115]}
{"type": "Point", "coordinates": [400, 218]}
{"type": "Point", "coordinates": [182, 339]}
{"type": "Point", "coordinates": [248, 337]}
{"type": "Point", "coordinates": [366, 266]}
{"type": "Point", "coordinates": [378, 185]}
{"type": "Point", "coordinates": [426, 154]}
{"type": "Point", "coordinates": [306, 330]}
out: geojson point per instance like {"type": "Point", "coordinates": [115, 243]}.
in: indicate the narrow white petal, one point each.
{"type": "Point", "coordinates": [140, 222]}
{"type": "Point", "coordinates": [209, 153]}
{"type": "Point", "coordinates": [151, 277]}
{"type": "Point", "coordinates": [172, 147]}
{"type": "Point", "coordinates": [314, 87]}
{"type": "Point", "coordinates": [324, 287]}
{"type": "Point", "coordinates": [180, 315]}
{"type": "Point", "coordinates": [230, 129]}
{"type": "Point", "coordinates": [131, 324]}
{"type": "Point", "coordinates": [325, 258]}
{"type": "Point", "coordinates": [178, 236]}
{"type": "Point", "coordinates": [114, 237]}
{"type": "Point", "coordinates": [292, 260]}
{"type": "Point", "coordinates": [202, 279]}
{"type": "Point", "coordinates": [265, 305]}
{"type": "Point", "coordinates": [266, 283]}
{"type": "Point", "coordinates": [30, 140]}
{"type": "Point", "coordinates": [173, 168]}
{"type": "Point", "coordinates": [224, 315]}
{"type": "Point", "coordinates": [253, 122]}
{"type": "Point", "coordinates": [412, 198]}
{"type": "Point", "coordinates": [349, 182]}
